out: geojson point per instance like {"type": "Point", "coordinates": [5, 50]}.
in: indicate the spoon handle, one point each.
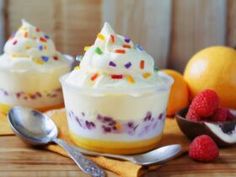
{"type": "Point", "coordinates": [85, 164]}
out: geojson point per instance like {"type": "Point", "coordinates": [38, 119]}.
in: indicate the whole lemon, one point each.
{"type": "Point", "coordinates": [213, 68]}
{"type": "Point", "coordinates": [179, 95]}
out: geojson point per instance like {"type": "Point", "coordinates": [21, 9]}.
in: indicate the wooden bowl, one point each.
{"type": "Point", "coordinates": [223, 133]}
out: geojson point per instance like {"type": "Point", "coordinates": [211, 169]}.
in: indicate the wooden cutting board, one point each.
{"type": "Point", "coordinates": [19, 160]}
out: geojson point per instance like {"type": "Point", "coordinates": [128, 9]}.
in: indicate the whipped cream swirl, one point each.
{"type": "Point", "coordinates": [114, 61]}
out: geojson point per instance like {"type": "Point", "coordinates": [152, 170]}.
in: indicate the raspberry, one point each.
{"type": "Point", "coordinates": [192, 115]}
{"type": "Point", "coordinates": [203, 148]}
{"type": "Point", "coordinates": [230, 116]}
{"type": "Point", "coordinates": [221, 114]}
{"type": "Point", "coordinates": [205, 103]}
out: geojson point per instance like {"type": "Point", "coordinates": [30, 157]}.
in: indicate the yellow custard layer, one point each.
{"type": "Point", "coordinates": [115, 147]}
{"type": "Point", "coordinates": [4, 108]}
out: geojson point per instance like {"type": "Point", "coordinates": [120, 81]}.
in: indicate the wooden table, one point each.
{"type": "Point", "coordinates": [18, 160]}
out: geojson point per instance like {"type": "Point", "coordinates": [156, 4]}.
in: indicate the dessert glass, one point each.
{"type": "Point", "coordinates": [116, 122]}
{"type": "Point", "coordinates": [30, 68]}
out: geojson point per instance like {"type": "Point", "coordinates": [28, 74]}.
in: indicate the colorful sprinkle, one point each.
{"type": "Point", "coordinates": [116, 76]}
{"type": "Point", "coordinates": [101, 36]}
{"type": "Point", "coordinates": [98, 51]}
{"type": "Point", "coordinates": [45, 58]}
{"type": "Point", "coordinates": [126, 46]}
{"type": "Point", "coordinates": [139, 47]}
{"type": "Point", "coordinates": [55, 58]}
{"type": "Point", "coordinates": [130, 79]}
{"type": "Point", "coordinates": [26, 34]}
{"type": "Point", "coordinates": [146, 75]}
{"type": "Point", "coordinates": [27, 47]}
{"type": "Point", "coordinates": [128, 65]}
{"type": "Point", "coordinates": [77, 68]}
{"type": "Point", "coordinates": [37, 29]}
{"type": "Point", "coordinates": [86, 48]}
{"type": "Point", "coordinates": [40, 47]}
{"type": "Point", "coordinates": [111, 63]}
{"type": "Point", "coordinates": [127, 39]}
{"type": "Point", "coordinates": [121, 51]}
{"type": "Point", "coordinates": [46, 36]}
{"type": "Point", "coordinates": [112, 38]}
{"type": "Point", "coordinates": [141, 65]}
{"type": "Point", "coordinates": [45, 47]}
{"type": "Point", "coordinates": [42, 39]}
{"type": "Point", "coordinates": [94, 77]}
{"type": "Point", "coordinates": [38, 61]}
{"type": "Point", "coordinates": [14, 43]}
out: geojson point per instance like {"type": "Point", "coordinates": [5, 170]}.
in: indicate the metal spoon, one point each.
{"type": "Point", "coordinates": [156, 156]}
{"type": "Point", "coordinates": [23, 121]}
{"type": "Point", "coordinates": [38, 129]}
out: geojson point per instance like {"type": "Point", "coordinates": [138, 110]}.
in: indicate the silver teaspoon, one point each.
{"type": "Point", "coordinates": [156, 156]}
{"type": "Point", "coordinates": [37, 129]}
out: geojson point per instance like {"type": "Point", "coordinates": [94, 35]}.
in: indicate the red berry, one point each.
{"type": "Point", "coordinates": [205, 103]}
{"type": "Point", "coordinates": [192, 115]}
{"type": "Point", "coordinates": [221, 114]}
{"type": "Point", "coordinates": [230, 116]}
{"type": "Point", "coordinates": [204, 149]}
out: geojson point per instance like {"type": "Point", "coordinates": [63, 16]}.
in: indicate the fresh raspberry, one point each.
{"type": "Point", "coordinates": [230, 116]}
{"type": "Point", "coordinates": [220, 115]}
{"type": "Point", "coordinates": [205, 103]}
{"type": "Point", "coordinates": [203, 148]}
{"type": "Point", "coordinates": [192, 115]}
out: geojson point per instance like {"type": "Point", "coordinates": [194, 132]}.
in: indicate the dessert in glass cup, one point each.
{"type": "Point", "coordinates": [30, 68]}
{"type": "Point", "coordinates": [115, 100]}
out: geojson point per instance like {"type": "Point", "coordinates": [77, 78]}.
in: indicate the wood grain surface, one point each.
{"type": "Point", "coordinates": [19, 160]}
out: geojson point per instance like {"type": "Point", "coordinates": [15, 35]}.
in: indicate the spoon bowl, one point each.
{"type": "Point", "coordinates": [32, 126]}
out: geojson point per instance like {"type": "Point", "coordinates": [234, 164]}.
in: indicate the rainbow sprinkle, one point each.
{"type": "Point", "coordinates": [37, 29]}
{"type": "Point", "coordinates": [127, 39]}
{"type": "Point", "coordinates": [26, 34]}
{"type": "Point", "coordinates": [45, 58]}
{"type": "Point", "coordinates": [15, 42]}
{"type": "Point", "coordinates": [141, 65]}
{"type": "Point", "coordinates": [130, 79]}
{"type": "Point", "coordinates": [139, 47]}
{"type": "Point", "coordinates": [128, 65]}
{"type": "Point", "coordinates": [38, 61]}
{"type": "Point", "coordinates": [111, 63]}
{"type": "Point", "coordinates": [101, 36]}
{"type": "Point", "coordinates": [121, 51]}
{"type": "Point", "coordinates": [94, 77]}
{"type": "Point", "coordinates": [98, 51]}
{"type": "Point", "coordinates": [112, 38]}
{"type": "Point", "coordinates": [126, 46]}
{"type": "Point", "coordinates": [77, 68]}
{"type": "Point", "coordinates": [116, 76]}
{"type": "Point", "coordinates": [42, 39]}
{"type": "Point", "coordinates": [146, 75]}
{"type": "Point", "coordinates": [46, 36]}
{"type": "Point", "coordinates": [55, 58]}
{"type": "Point", "coordinates": [40, 47]}
{"type": "Point", "coordinates": [86, 48]}
{"type": "Point", "coordinates": [27, 47]}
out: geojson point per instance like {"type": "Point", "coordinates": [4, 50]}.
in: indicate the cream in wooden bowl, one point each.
{"type": "Point", "coordinates": [115, 100]}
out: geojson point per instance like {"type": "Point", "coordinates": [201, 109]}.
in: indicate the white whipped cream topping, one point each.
{"type": "Point", "coordinates": [30, 49]}
{"type": "Point", "coordinates": [113, 61]}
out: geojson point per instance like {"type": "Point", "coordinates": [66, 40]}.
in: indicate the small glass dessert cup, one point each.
{"type": "Point", "coordinates": [116, 122]}
{"type": "Point", "coordinates": [115, 100]}
{"type": "Point", "coordinates": [30, 68]}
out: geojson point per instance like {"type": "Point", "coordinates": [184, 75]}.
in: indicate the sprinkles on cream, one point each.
{"type": "Point", "coordinates": [30, 42]}
{"type": "Point", "coordinates": [114, 61]}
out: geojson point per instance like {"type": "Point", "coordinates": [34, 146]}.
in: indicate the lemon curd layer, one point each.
{"type": "Point", "coordinates": [115, 147]}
